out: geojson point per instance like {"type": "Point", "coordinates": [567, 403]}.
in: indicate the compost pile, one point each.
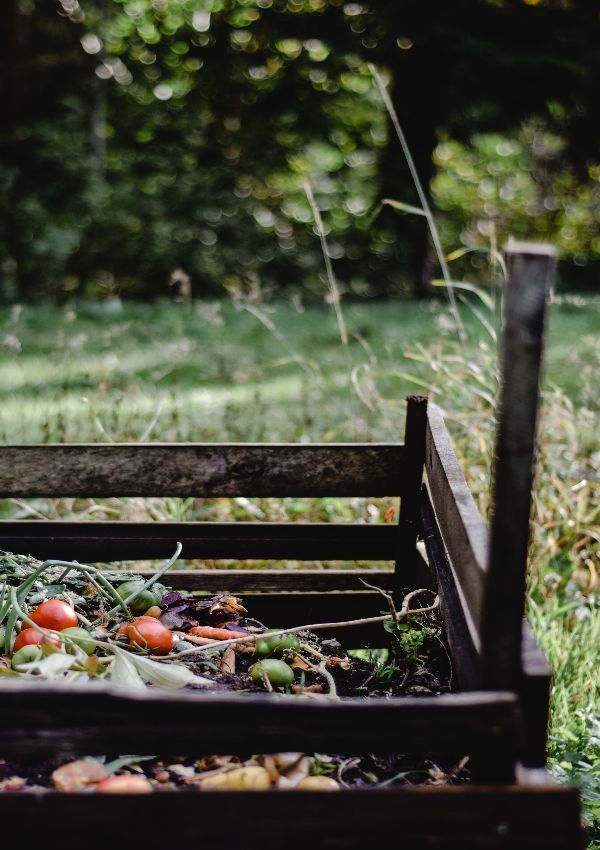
{"type": "Point", "coordinates": [76, 623]}
{"type": "Point", "coordinates": [277, 772]}
{"type": "Point", "coordinates": [63, 620]}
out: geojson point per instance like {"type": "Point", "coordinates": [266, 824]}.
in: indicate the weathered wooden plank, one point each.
{"type": "Point", "coordinates": [463, 530]}
{"type": "Point", "coordinates": [202, 470]}
{"type": "Point", "coordinates": [460, 631]}
{"type": "Point", "coordinates": [287, 609]}
{"type": "Point", "coordinates": [98, 719]}
{"type": "Point", "coordinates": [445, 818]}
{"type": "Point", "coordinates": [276, 581]}
{"type": "Point", "coordinates": [530, 276]}
{"type": "Point", "coordinates": [534, 692]}
{"type": "Point", "coordinates": [408, 523]}
{"type": "Point", "coordinates": [112, 541]}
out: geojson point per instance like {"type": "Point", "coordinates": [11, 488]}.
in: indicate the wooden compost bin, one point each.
{"type": "Point", "coordinates": [497, 714]}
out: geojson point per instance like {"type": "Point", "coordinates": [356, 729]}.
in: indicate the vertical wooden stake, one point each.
{"type": "Point", "coordinates": [531, 271]}
{"type": "Point", "coordinates": [410, 500]}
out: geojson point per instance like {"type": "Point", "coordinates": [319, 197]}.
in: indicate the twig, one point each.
{"type": "Point", "coordinates": [123, 603]}
{"type": "Point", "coordinates": [405, 611]}
{"type": "Point", "coordinates": [266, 681]}
{"type": "Point", "coordinates": [320, 667]}
{"type": "Point", "coordinates": [387, 596]}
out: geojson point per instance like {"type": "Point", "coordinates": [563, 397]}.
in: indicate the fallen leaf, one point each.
{"type": "Point", "coordinates": [299, 663]}
{"type": "Point", "coordinates": [228, 661]}
{"type": "Point", "coordinates": [308, 689]}
{"type": "Point", "coordinates": [78, 775]}
{"type": "Point", "coordinates": [342, 663]}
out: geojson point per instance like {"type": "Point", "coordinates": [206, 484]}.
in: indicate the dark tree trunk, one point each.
{"type": "Point", "coordinates": [418, 119]}
{"type": "Point", "coordinates": [414, 51]}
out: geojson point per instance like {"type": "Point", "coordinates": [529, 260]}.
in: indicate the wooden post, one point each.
{"type": "Point", "coordinates": [530, 274]}
{"type": "Point", "coordinates": [410, 503]}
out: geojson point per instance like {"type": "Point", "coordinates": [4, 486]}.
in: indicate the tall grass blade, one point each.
{"type": "Point", "coordinates": [333, 287]}
{"type": "Point", "coordinates": [435, 237]}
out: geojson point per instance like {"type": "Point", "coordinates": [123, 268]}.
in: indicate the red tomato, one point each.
{"type": "Point", "coordinates": [150, 634]}
{"type": "Point", "coordinates": [29, 637]}
{"type": "Point", "coordinates": [54, 614]}
{"type": "Point", "coordinates": [125, 625]}
{"type": "Point", "coordinates": [124, 784]}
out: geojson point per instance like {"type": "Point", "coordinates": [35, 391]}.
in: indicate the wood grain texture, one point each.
{"type": "Point", "coordinates": [530, 276]}
{"type": "Point", "coordinates": [95, 718]}
{"type": "Point", "coordinates": [122, 541]}
{"type": "Point", "coordinates": [534, 693]}
{"type": "Point", "coordinates": [201, 469]}
{"type": "Point", "coordinates": [409, 519]}
{"type": "Point", "coordinates": [273, 581]}
{"type": "Point", "coordinates": [462, 528]}
{"type": "Point", "coordinates": [449, 818]}
{"type": "Point", "coordinates": [462, 636]}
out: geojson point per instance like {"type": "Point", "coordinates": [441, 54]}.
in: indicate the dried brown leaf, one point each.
{"type": "Point", "coordinates": [342, 663]}
{"type": "Point", "coordinates": [228, 661]}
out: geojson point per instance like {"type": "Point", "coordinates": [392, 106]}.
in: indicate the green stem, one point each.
{"type": "Point", "coordinates": [122, 603]}
{"type": "Point", "coordinates": [17, 612]}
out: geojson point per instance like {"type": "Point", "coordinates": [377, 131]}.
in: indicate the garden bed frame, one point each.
{"type": "Point", "coordinates": [497, 714]}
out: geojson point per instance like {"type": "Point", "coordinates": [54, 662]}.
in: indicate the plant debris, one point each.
{"type": "Point", "coordinates": [279, 772]}
{"type": "Point", "coordinates": [189, 640]}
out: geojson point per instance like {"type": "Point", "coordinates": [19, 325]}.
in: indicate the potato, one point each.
{"type": "Point", "coordinates": [318, 783]}
{"type": "Point", "coordinates": [251, 778]}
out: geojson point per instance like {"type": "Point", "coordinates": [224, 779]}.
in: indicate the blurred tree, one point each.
{"type": "Point", "coordinates": [179, 132]}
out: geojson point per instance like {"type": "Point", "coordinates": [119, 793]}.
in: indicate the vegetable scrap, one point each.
{"type": "Point", "coordinates": [274, 772]}
{"type": "Point", "coordinates": [78, 623]}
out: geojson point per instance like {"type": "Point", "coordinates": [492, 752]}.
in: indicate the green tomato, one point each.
{"type": "Point", "coordinates": [143, 599]}
{"type": "Point", "coordinates": [276, 645]}
{"type": "Point", "coordinates": [277, 672]}
{"type": "Point", "coordinates": [81, 638]}
{"type": "Point", "coordinates": [32, 652]}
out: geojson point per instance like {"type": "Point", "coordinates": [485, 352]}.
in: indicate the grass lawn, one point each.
{"type": "Point", "coordinates": [217, 371]}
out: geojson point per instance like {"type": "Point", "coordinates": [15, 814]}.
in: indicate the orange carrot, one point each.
{"type": "Point", "coordinates": [214, 634]}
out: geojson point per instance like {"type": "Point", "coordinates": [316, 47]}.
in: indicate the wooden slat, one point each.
{"type": "Point", "coordinates": [276, 581]}
{"type": "Point", "coordinates": [460, 632]}
{"type": "Point", "coordinates": [122, 541]}
{"type": "Point", "coordinates": [428, 818]}
{"type": "Point", "coordinates": [530, 276]}
{"type": "Point", "coordinates": [534, 689]}
{"type": "Point", "coordinates": [98, 719]}
{"type": "Point", "coordinates": [201, 469]}
{"type": "Point", "coordinates": [534, 692]}
{"type": "Point", "coordinates": [409, 519]}
{"type": "Point", "coordinates": [462, 527]}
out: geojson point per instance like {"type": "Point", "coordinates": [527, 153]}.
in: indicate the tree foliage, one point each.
{"type": "Point", "coordinates": [146, 139]}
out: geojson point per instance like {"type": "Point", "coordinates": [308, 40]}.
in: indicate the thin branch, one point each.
{"type": "Point", "coordinates": [320, 668]}
{"type": "Point", "coordinates": [387, 596]}
{"type": "Point", "coordinates": [405, 611]}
